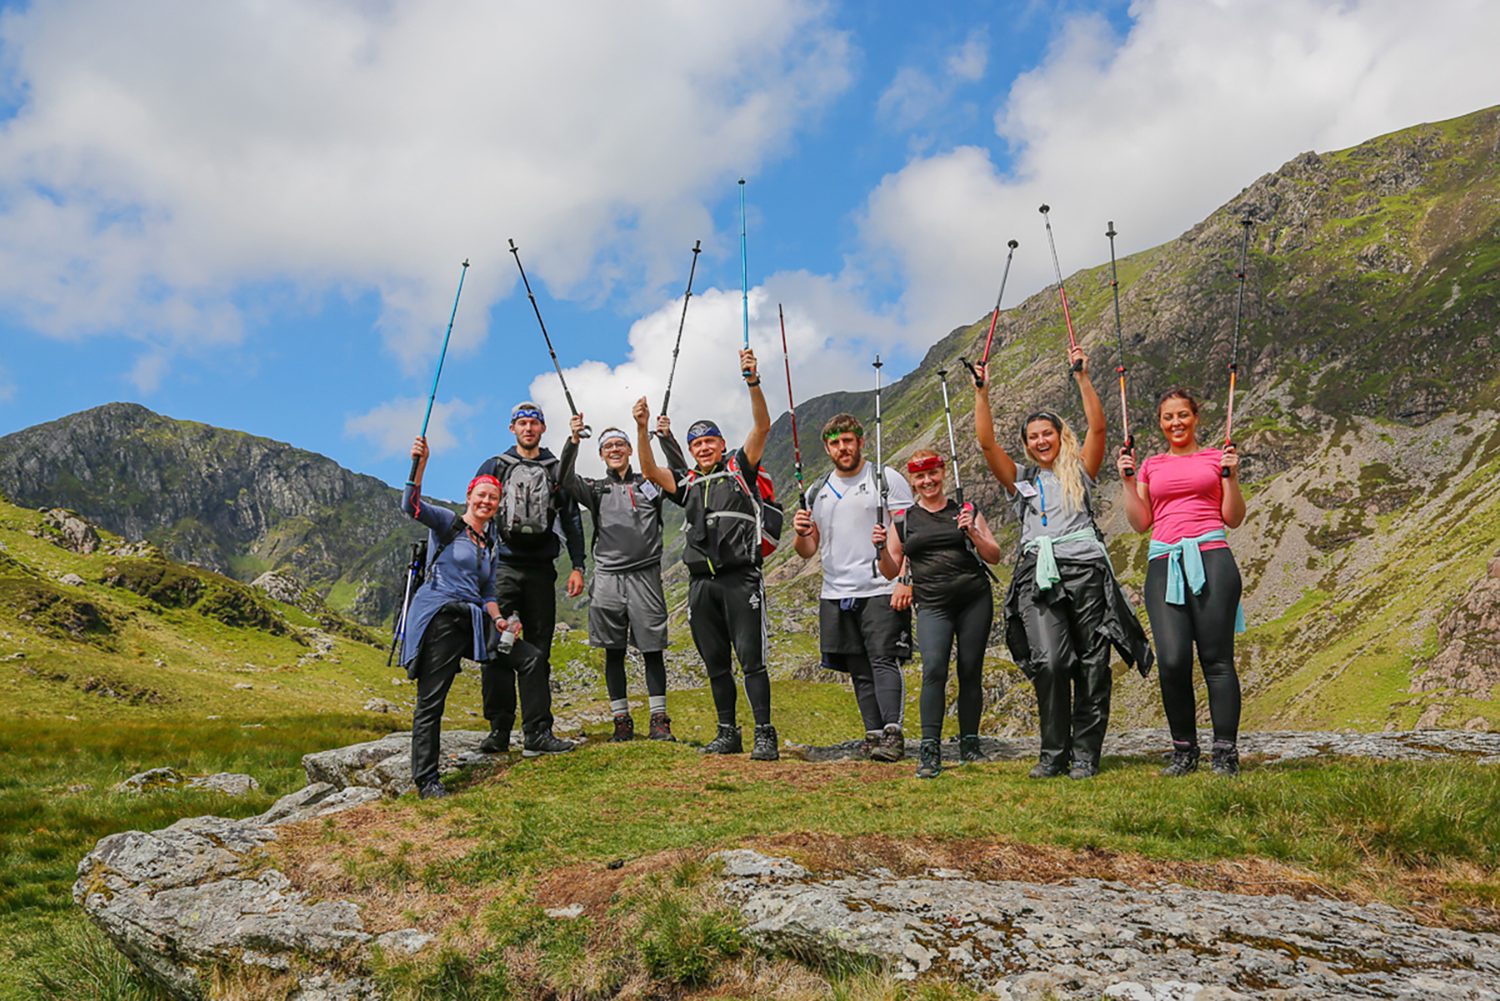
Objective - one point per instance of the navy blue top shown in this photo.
(464, 572)
(550, 548)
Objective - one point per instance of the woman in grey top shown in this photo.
(1064, 607)
(447, 616)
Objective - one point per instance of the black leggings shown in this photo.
(937, 627)
(879, 690)
(1206, 619)
(614, 672)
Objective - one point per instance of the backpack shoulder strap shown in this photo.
(446, 539)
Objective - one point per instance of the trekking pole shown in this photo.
(1114, 284)
(1234, 346)
(994, 317)
(879, 467)
(399, 633)
(1062, 292)
(744, 276)
(412, 476)
(516, 251)
(958, 481)
(667, 396)
(791, 405)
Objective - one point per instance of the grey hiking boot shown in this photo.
(892, 745)
(968, 748)
(727, 742)
(930, 754)
(868, 745)
(1048, 769)
(624, 729)
(540, 742)
(1226, 758)
(1083, 768)
(431, 789)
(1184, 759)
(766, 743)
(498, 741)
(661, 727)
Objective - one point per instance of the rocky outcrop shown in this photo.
(228, 783)
(70, 531)
(1468, 657)
(1089, 938)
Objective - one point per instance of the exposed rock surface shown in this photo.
(385, 764)
(73, 532)
(1088, 938)
(283, 586)
(229, 783)
(1468, 657)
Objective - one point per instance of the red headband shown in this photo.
(481, 478)
(922, 465)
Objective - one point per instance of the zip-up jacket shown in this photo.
(625, 511)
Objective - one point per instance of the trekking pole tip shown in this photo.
(943, 373)
(513, 247)
(697, 246)
(1045, 208)
(466, 262)
(742, 180)
(1111, 231)
(1012, 244)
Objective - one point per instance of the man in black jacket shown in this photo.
(533, 508)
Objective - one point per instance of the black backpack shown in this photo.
(528, 498)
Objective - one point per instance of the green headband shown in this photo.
(859, 432)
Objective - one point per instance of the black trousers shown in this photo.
(938, 625)
(1064, 626)
(1207, 621)
(727, 616)
(530, 592)
(448, 638)
(869, 641)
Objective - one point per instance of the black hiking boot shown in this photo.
(1083, 768)
(1184, 759)
(727, 742)
(1048, 769)
(541, 742)
(661, 727)
(766, 743)
(1226, 758)
(431, 789)
(892, 746)
(968, 748)
(624, 729)
(868, 745)
(930, 754)
(498, 741)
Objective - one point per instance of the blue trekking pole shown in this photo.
(411, 477)
(744, 276)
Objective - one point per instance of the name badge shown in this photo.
(650, 490)
(1025, 489)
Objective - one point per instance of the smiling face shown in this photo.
(707, 450)
(483, 500)
(928, 484)
(1042, 442)
(528, 431)
(847, 451)
(1178, 418)
(616, 454)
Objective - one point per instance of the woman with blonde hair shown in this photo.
(1064, 608)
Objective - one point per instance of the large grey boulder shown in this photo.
(153, 779)
(315, 800)
(71, 531)
(385, 764)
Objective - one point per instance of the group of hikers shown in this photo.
(890, 544)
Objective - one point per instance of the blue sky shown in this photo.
(255, 219)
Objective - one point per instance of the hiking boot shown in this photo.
(661, 727)
(1083, 769)
(431, 789)
(930, 756)
(968, 748)
(892, 746)
(727, 742)
(868, 745)
(498, 742)
(542, 742)
(624, 729)
(1184, 759)
(1048, 770)
(1226, 758)
(765, 747)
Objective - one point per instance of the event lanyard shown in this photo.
(1041, 494)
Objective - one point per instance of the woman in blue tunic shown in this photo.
(448, 614)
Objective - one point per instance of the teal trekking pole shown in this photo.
(412, 476)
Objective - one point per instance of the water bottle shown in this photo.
(507, 636)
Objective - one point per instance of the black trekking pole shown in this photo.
(399, 632)
(994, 317)
(1062, 292)
(958, 480)
(546, 337)
(879, 466)
(1234, 347)
(791, 405)
(412, 476)
(688, 295)
(1114, 284)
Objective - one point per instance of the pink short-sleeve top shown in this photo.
(1187, 495)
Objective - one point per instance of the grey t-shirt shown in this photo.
(1038, 491)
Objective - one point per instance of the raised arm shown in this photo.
(435, 518)
(649, 469)
(572, 485)
(1093, 410)
(1000, 463)
(760, 414)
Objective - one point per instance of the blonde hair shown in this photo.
(1068, 466)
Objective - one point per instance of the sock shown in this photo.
(658, 703)
(620, 707)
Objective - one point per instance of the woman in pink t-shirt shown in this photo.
(1187, 496)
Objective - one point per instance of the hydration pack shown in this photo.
(528, 498)
(767, 519)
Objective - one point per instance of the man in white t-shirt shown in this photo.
(860, 633)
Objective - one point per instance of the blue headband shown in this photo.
(526, 409)
(703, 429)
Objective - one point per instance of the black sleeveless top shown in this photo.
(944, 570)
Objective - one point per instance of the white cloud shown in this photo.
(392, 425)
(969, 60)
(914, 95)
(168, 156)
(1156, 129)
(146, 374)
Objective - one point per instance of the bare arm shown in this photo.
(1232, 507)
(807, 539)
(1133, 492)
(1001, 464)
(984, 540)
(892, 554)
(760, 414)
(649, 469)
(1093, 410)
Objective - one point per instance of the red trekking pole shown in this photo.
(1234, 346)
(994, 318)
(791, 406)
(1114, 284)
(1062, 292)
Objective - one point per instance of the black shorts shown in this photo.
(870, 629)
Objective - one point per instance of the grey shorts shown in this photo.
(628, 608)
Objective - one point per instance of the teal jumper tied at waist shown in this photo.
(1185, 565)
(1047, 573)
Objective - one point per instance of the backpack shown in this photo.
(769, 517)
(528, 498)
